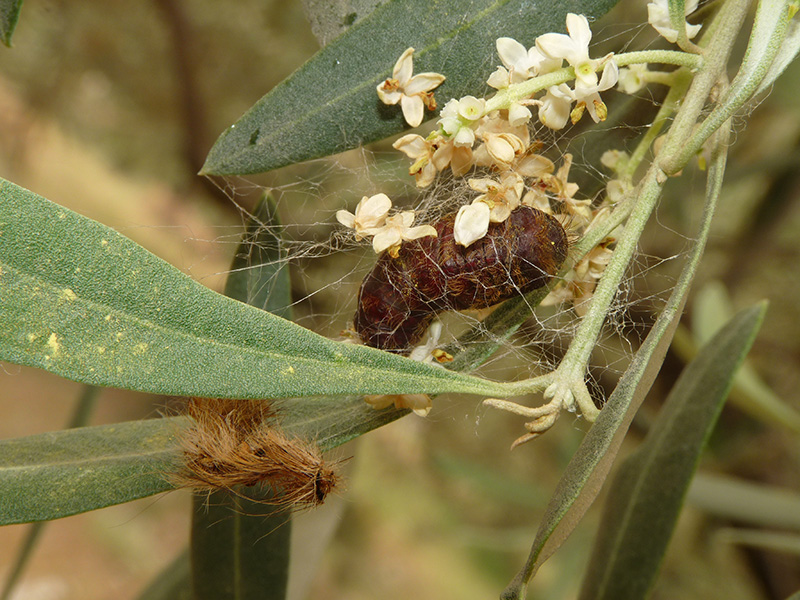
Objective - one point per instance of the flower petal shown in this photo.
(386, 238)
(413, 110)
(499, 79)
(404, 67)
(464, 137)
(423, 82)
(518, 114)
(412, 145)
(389, 97)
(372, 211)
(579, 30)
(556, 45)
(512, 53)
(346, 218)
(472, 223)
(413, 233)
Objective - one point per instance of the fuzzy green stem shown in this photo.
(727, 25)
(681, 81)
(745, 84)
(526, 89)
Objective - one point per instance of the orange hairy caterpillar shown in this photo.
(232, 442)
(401, 296)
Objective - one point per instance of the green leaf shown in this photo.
(78, 470)
(648, 490)
(331, 18)
(259, 273)
(330, 105)
(746, 502)
(80, 416)
(75, 470)
(240, 545)
(711, 308)
(81, 301)
(9, 15)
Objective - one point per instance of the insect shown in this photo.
(238, 442)
(401, 296)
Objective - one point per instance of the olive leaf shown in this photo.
(82, 301)
(9, 15)
(330, 105)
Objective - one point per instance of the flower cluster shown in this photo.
(372, 219)
(479, 133)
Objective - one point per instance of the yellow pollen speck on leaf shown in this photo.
(68, 294)
(53, 344)
(31, 337)
(288, 370)
(104, 242)
(101, 349)
(140, 348)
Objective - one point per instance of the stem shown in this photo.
(682, 79)
(520, 91)
(727, 26)
(745, 84)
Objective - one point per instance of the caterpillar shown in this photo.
(400, 297)
(239, 442)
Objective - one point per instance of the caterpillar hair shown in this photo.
(238, 442)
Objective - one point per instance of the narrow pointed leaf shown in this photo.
(73, 471)
(9, 15)
(81, 301)
(648, 490)
(240, 545)
(330, 104)
(746, 502)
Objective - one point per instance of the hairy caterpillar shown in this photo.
(237, 442)
(401, 296)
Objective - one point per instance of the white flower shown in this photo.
(501, 149)
(472, 223)
(421, 151)
(419, 403)
(590, 96)
(413, 93)
(555, 106)
(370, 213)
(658, 17)
(574, 48)
(520, 64)
(501, 196)
(460, 158)
(615, 160)
(397, 228)
(459, 118)
(633, 78)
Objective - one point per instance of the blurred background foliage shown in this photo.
(110, 109)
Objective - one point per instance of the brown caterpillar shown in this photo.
(401, 296)
(232, 443)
